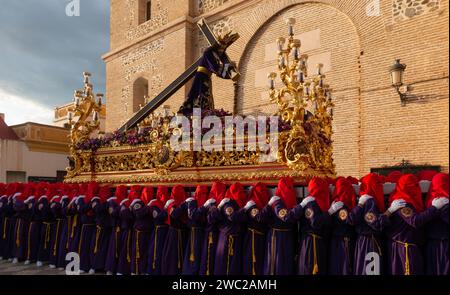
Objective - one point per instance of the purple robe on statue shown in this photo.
(100, 238)
(436, 250)
(369, 224)
(126, 232)
(87, 220)
(175, 243)
(157, 240)
(254, 242)
(314, 229)
(228, 260)
(47, 224)
(281, 240)
(406, 238)
(193, 254)
(141, 238)
(112, 256)
(342, 244)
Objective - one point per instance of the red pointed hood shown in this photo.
(286, 192)
(438, 188)
(260, 195)
(372, 186)
(201, 195)
(345, 193)
(120, 195)
(237, 193)
(92, 191)
(408, 189)
(178, 195)
(162, 196)
(135, 194)
(2, 189)
(320, 190)
(218, 191)
(352, 180)
(382, 178)
(27, 193)
(426, 174)
(394, 176)
(147, 194)
(51, 192)
(105, 193)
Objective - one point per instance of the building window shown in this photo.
(145, 11)
(140, 91)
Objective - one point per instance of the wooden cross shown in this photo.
(175, 85)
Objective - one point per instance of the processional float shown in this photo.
(141, 151)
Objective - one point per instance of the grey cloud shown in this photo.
(43, 52)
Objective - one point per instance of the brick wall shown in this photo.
(371, 128)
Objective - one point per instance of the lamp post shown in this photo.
(397, 70)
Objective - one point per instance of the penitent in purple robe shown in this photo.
(228, 260)
(175, 243)
(126, 232)
(342, 244)
(140, 239)
(281, 240)
(406, 238)
(34, 231)
(55, 236)
(47, 224)
(157, 240)
(112, 256)
(63, 245)
(102, 233)
(7, 229)
(436, 250)
(87, 231)
(193, 254)
(3, 224)
(369, 225)
(314, 229)
(20, 230)
(209, 245)
(254, 242)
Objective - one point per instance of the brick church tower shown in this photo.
(154, 41)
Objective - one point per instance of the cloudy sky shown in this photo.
(43, 53)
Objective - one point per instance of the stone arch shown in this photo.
(347, 85)
(140, 91)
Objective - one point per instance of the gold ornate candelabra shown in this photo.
(305, 103)
(83, 120)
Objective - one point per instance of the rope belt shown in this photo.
(117, 242)
(47, 233)
(18, 232)
(347, 251)
(316, 265)
(128, 247)
(55, 246)
(74, 224)
(273, 247)
(210, 242)
(180, 248)
(97, 236)
(69, 222)
(138, 256)
(81, 237)
(407, 264)
(254, 231)
(155, 243)
(4, 228)
(192, 242)
(29, 240)
(230, 250)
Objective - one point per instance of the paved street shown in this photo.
(7, 268)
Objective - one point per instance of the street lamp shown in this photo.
(397, 70)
